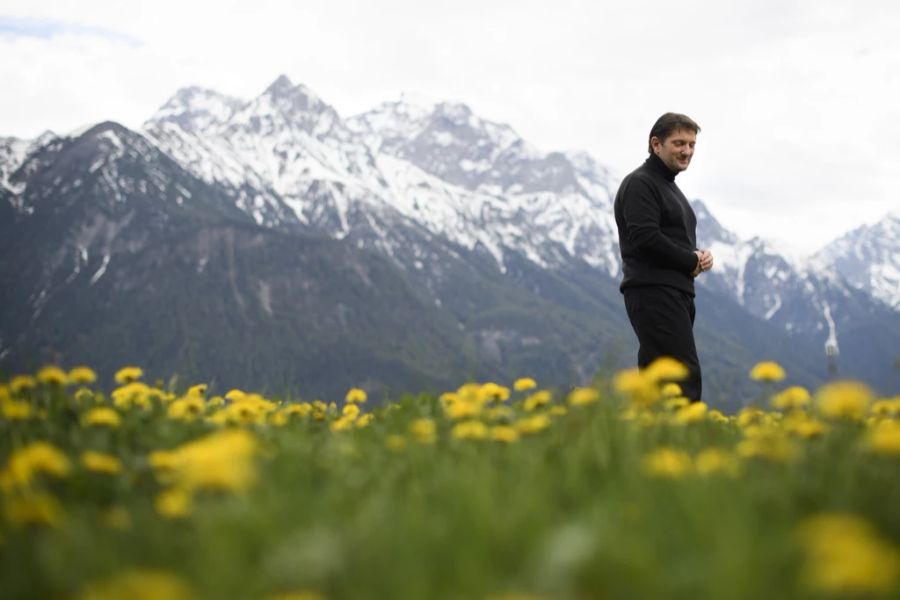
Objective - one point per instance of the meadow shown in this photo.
(495, 492)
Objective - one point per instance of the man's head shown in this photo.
(672, 139)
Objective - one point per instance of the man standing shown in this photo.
(660, 258)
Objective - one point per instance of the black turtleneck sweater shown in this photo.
(657, 229)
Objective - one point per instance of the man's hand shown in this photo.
(704, 262)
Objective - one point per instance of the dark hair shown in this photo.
(668, 124)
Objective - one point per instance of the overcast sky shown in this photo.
(797, 100)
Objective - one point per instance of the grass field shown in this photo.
(621, 490)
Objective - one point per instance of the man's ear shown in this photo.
(655, 143)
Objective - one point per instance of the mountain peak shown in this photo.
(281, 85)
(104, 128)
(196, 108)
(289, 98)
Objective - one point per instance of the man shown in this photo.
(660, 258)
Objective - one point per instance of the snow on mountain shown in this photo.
(13, 154)
(813, 297)
(197, 109)
(389, 125)
(869, 258)
(472, 181)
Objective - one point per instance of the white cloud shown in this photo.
(796, 98)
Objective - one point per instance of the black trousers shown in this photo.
(663, 319)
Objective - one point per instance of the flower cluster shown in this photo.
(147, 457)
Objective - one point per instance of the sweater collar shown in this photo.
(656, 164)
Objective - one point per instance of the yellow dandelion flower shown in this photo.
(355, 395)
(198, 390)
(84, 396)
(423, 431)
(395, 443)
(843, 399)
(174, 503)
(319, 410)
(636, 386)
(532, 424)
(21, 383)
(583, 396)
(82, 375)
(33, 509)
(278, 419)
(676, 403)
(537, 400)
(810, 428)
(132, 394)
(471, 391)
(447, 399)
(803, 425)
(750, 416)
(235, 395)
(216, 402)
(691, 413)
(364, 420)
(886, 407)
(666, 368)
(102, 416)
(714, 461)
(351, 411)
(558, 411)
(52, 375)
(791, 398)
(341, 424)
(463, 409)
(767, 370)
(252, 410)
(495, 392)
(524, 384)
(99, 462)
(141, 584)
(163, 461)
(36, 457)
(667, 462)
(187, 408)
(884, 438)
(219, 461)
(671, 390)
(128, 375)
(846, 555)
(15, 410)
(716, 416)
(504, 433)
(767, 444)
(301, 409)
(470, 430)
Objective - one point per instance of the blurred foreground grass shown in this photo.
(622, 490)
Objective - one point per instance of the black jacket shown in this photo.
(657, 229)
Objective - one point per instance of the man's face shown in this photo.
(676, 151)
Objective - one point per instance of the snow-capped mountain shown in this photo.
(471, 214)
(290, 160)
(813, 297)
(869, 258)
